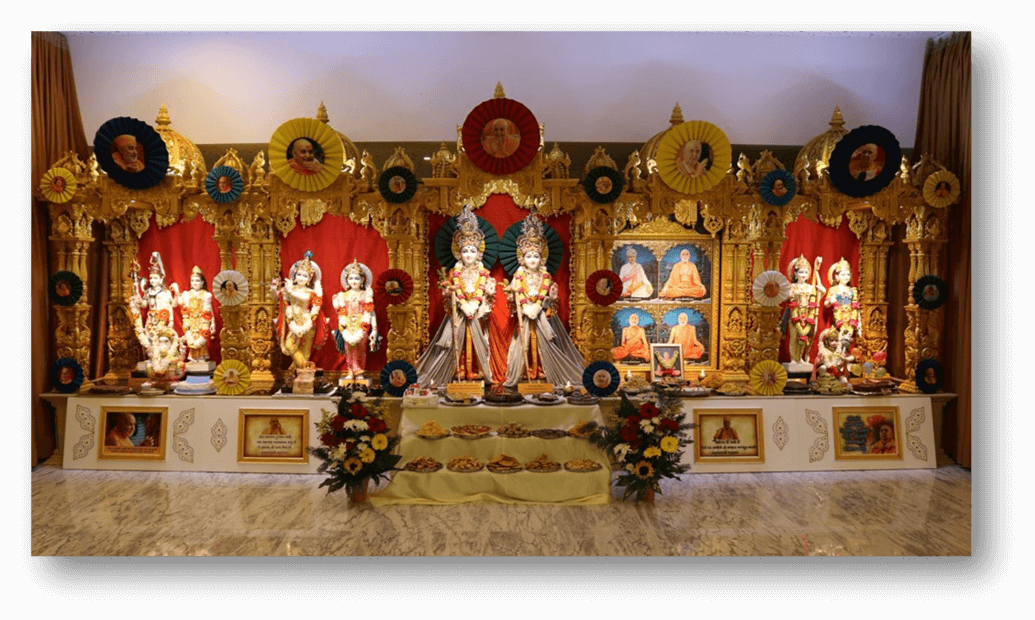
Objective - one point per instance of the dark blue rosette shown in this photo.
(603, 184)
(787, 192)
(595, 374)
(397, 184)
(930, 292)
(66, 375)
(933, 383)
(153, 161)
(65, 288)
(398, 387)
(845, 173)
(227, 191)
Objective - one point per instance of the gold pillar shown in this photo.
(405, 230)
(249, 330)
(123, 348)
(875, 244)
(736, 269)
(925, 236)
(71, 237)
(765, 234)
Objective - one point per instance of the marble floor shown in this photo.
(887, 513)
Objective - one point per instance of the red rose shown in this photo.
(377, 425)
(358, 411)
(633, 420)
(649, 411)
(668, 424)
(338, 423)
(629, 433)
(330, 439)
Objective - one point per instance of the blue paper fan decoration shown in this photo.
(224, 184)
(65, 288)
(603, 184)
(396, 376)
(778, 194)
(66, 375)
(930, 292)
(508, 248)
(865, 161)
(397, 184)
(444, 243)
(929, 382)
(601, 379)
(152, 158)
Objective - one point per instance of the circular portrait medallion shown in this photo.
(131, 152)
(865, 161)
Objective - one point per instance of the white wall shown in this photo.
(768, 88)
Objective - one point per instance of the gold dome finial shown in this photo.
(499, 91)
(836, 120)
(163, 119)
(677, 116)
(321, 114)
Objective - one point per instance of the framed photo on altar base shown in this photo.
(728, 436)
(133, 433)
(666, 362)
(273, 436)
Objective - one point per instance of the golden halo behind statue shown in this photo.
(693, 157)
(306, 154)
(941, 189)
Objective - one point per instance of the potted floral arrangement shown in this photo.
(355, 446)
(647, 444)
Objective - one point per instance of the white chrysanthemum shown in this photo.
(647, 426)
(771, 288)
(339, 453)
(621, 450)
(630, 467)
(357, 426)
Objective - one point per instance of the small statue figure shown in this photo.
(831, 357)
(469, 293)
(357, 323)
(802, 311)
(199, 322)
(165, 359)
(540, 335)
(300, 322)
(158, 301)
(844, 298)
(257, 171)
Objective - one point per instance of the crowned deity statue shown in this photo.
(199, 322)
(802, 311)
(460, 348)
(165, 359)
(301, 325)
(540, 339)
(151, 298)
(831, 356)
(357, 322)
(844, 299)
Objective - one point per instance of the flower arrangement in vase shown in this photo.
(355, 446)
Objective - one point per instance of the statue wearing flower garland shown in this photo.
(165, 359)
(802, 309)
(844, 299)
(154, 297)
(199, 322)
(469, 293)
(357, 322)
(540, 338)
(300, 322)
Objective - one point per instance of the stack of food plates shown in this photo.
(432, 430)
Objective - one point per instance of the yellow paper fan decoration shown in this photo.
(232, 377)
(941, 189)
(306, 154)
(768, 378)
(693, 157)
(58, 185)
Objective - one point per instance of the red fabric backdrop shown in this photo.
(813, 239)
(501, 212)
(182, 246)
(335, 242)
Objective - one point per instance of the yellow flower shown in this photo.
(669, 444)
(379, 442)
(353, 465)
(644, 470)
(652, 452)
(367, 456)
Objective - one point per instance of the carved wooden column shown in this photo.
(875, 244)
(736, 268)
(71, 236)
(123, 348)
(591, 243)
(925, 236)
(765, 236)
(251, 326)
(234, 336)
(405, 230)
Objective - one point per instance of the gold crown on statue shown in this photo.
(467, 232)
(156, 265)
(797, 264)
(196, 271)
(532, 237)
(836, 268)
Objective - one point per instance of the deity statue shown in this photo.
(684, 280)
(357, 323)
(469, 293)
(844, 299)
(831, 356)
(300, 322)
(802, 310)
(540, 335)
(199, 322)
(165, 359)
(153, 296)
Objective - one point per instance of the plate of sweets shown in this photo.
(549, 433)
(432, 430)
(873, 387)
(502, 396)
(546, 398)
(694, 391)
(460, 401)
(504, 464)
(732, 389)
(582, 466)
(582, 397)
(423, 465)
(513, 431)
(584, 429)
(465, 465)
(543, 465)
(470, 431)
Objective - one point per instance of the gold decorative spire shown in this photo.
(836, 120)
(815, 155)
(677, 116)
(499, 91)
(163, 119)
(184, 155)
(321, 114)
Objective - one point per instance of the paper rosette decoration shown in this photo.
(393, 287)
(929, 376)
(65, 288)
(771, 288)
(446, 253)
(58, 185)
(230, 287)
(601, 379)
(865, 161)
(396, 376)
(603, 184)
(397, 184)
(130, 135)
(941, 189)
(930, 292)
(768, 378)
(693, 157)
(306, 154)
(66, 375)
(232, 377)
(778, 194)
(509, 252)
(224, 184)
(603, 287)
(500, 136)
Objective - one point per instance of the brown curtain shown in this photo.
(57, 128)
(943, 131)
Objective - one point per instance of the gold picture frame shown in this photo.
(132, 433)
(273, 436)
(729, 436)
(867, 433)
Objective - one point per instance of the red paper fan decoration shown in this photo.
(393, 286)
(603, 287)
(501, 136)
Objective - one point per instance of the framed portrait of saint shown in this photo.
(867, 433)
(133, 433)
(273, 436)
(728, 436)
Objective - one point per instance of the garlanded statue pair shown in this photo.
(802, 314)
